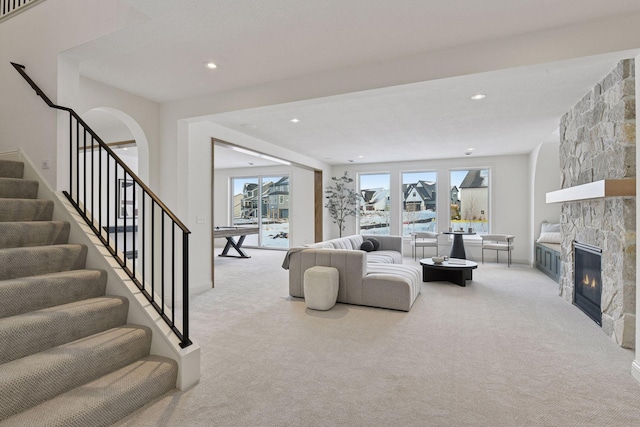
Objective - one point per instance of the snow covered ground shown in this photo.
(274, 235)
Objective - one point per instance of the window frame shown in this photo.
(402, 202)
(388, 204)
(489, 199)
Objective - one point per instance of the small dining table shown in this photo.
(457, 249)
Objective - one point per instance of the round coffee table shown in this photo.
(454, 270)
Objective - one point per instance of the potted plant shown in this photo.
(342, 200)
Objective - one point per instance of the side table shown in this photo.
(457, 249)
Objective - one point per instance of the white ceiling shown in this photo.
(160, 56)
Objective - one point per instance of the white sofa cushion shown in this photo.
(384, 257)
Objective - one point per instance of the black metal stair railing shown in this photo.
(147, 240)
(9, 7)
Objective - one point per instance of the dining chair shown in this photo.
(425, 239)
(498, 242)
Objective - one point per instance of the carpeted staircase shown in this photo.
(67, 355)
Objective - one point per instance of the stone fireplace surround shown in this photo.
(597, 142)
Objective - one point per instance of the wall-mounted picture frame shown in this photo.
(127, 204)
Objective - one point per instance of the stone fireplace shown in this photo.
(597, 143)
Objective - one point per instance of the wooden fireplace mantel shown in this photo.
(595, 190)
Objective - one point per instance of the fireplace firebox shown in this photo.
(587, 293)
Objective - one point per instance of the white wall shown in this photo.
(34, 38)
(509, 197)
(199, 198)
(140, 115)
(197, 216)
(544, 163)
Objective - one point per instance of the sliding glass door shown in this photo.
(263, 202)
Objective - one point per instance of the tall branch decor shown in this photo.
(342, 200)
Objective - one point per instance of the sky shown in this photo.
(238, 183)
(382, 180)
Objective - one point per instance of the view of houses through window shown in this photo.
(375, 203)
(262, 202)
(470, 200)
(419, 202)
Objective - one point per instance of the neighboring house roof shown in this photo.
(474, 180)
(367, 195)
(283, 181)
(426, 190)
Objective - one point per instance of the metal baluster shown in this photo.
(84, 172)
(100, 189)
(153, 251)
(162, 261)
(173, 273)
(135, 230)
(93, 188)
(109, 198)
(185, 291)
(70, 155)
(125, 216)
(143, 253)
(77, 165)
(116, 207)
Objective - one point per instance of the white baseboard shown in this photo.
(635, 369)
(199, 288)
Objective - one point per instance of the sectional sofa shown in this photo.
(376, 278)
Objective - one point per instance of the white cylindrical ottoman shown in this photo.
(320, 287)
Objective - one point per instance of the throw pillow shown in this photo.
(549, 238)
(549, 228)
(376, 243)
(366, 246)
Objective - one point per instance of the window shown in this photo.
(418, 202)
(375, 203)
(269, 212)
(470, 200)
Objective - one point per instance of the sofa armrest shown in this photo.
(389, 243)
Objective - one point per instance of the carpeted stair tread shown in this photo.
(38, 260)
(16, 188)
(11, 169)
(25, 210)
(40, 330)
(31, 380)
(33, 233)
(48, 290)
(105, 400)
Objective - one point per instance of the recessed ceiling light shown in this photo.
(294, 120)
(478, 96)
(360, 157)
(210, 65)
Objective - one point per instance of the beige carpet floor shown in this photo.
(504, 351)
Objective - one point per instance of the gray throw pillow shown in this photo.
(376, 243)
(366, 246)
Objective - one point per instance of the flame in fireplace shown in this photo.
(592, 283)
